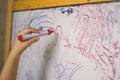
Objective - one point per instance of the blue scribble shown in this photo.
(29, 75)
(77, 67)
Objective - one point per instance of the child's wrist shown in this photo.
(15, 52)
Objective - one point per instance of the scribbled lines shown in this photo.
(93, 35)
(40, 19)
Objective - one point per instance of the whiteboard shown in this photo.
(85, 45)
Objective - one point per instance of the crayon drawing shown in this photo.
(85, 45)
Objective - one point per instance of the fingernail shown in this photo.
(38, 31)
(37, 38)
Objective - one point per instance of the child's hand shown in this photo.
(20, 46)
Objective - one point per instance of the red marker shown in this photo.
(31, 35)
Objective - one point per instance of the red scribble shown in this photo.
(91, 37)
(66, 40)
(115, 45)
(100, 56)
(59, 32)
(107, 50)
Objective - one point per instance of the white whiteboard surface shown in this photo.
(85, 45)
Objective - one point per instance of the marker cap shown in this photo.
(20, 37)
(50, 31)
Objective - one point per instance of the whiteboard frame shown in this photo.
(31, 4)
(8, 29)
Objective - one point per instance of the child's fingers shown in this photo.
(32, 40)
(29, 30)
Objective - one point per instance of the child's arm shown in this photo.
(9, 70)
